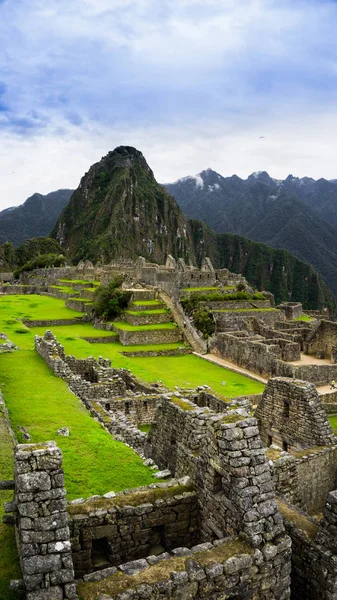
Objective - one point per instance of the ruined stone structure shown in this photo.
(42, 523)
(303, 457)
(248, 494)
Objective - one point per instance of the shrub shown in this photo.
(203, 320)
(110, 300)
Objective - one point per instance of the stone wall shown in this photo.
(232, 321)
(226, 569)
(139, 409)
(51, 322)
(153, 336)
(261, 355)
(292, 416)
(131, 525)
(305, 481)
(314, 570)
(292, 310)
(42, 523)
(224, 455)
(147, 319)
(323, 339)
(22, 289)
(78, 304)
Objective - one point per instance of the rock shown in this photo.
(63, 431)
(162, 474)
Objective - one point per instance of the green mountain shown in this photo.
(120, 210)
(34, 218)
(287, 214)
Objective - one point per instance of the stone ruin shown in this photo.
(248, 495)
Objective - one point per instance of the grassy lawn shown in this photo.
(9, 562)
(93, 462)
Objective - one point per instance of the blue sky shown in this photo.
(191, 83)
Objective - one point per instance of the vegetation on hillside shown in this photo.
(41, 262)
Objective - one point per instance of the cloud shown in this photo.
(210, 71)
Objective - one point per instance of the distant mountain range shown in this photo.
(119, 210)
(299, 215)
(35, 218)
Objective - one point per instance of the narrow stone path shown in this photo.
(221, 362)
(179, 318)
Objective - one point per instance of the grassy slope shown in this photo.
(9, 562)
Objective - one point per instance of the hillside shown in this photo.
(120, 210)
(34, 218)
(277, 213)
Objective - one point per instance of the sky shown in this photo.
(193, 84)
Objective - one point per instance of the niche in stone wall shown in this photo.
(216, 482)
(157, 541)
(100, 554)
(286, 409)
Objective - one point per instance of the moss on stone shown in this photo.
(182, 403)
(134, 499)
(307, 451)
(272, 454)
(119, 582)
(232, 418)
(298, 519)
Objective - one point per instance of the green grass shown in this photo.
(129, 327)
(183, 371)
(78, 299)
(333, 422)
(93, 461)
(145, 428)
(61, 288)
(79, 281)
(9, 562)
(304, 318)
(147, 302)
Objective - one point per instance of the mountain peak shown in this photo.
(261, 177)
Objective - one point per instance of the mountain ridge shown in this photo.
(119, 209)
(34, 218)
(266, 210)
